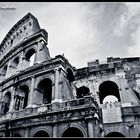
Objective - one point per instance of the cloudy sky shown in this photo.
(83, 31)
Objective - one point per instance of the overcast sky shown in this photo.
(83, 31)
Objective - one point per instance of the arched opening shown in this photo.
(139, 135)
(25, 90)
(15, 62)
(6, 103)
(4, 70)
(30, 56)
(70, 75)
(72, 132)
(45, 91)
(108, 88)
(21, 98)
(82, 91)
(41, 134)
(115, 134)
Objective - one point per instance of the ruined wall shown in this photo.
(125, 74)
(53, 98)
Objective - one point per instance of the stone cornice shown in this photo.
(35, 70)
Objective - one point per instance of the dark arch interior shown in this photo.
(41, 134)
(25, 91)
(108, 88)
(4, 70)
(115, 134)
(7, 99)
(21, 99)
(45, 87)
(82, 91)
(29, 54)
(15, 62)
(72, 132)
(70, 75)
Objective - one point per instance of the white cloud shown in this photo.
(83, 31)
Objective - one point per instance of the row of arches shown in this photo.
(15, 34)
(29, 58)
(108, 92)
(71, 132)
(44, 89)
(43, 93)
(20, 99)
(67, 133)
(75, 132)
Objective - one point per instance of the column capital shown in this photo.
(33, 76)
(56, 69)
(57, 100)
(59, 68)
(12, 96)
(41, 41)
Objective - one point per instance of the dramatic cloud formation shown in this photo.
(83, 31)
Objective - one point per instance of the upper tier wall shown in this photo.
(24, 28)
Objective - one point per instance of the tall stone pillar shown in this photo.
(8, 73)
(26, 133)
(25, 63)
(55, 131)
(31, 93)
(56, 83)
(53, 91)
(56, 87)
(90, 129)
(42, 53)
(1, 75)
(20, 62)
(11, 103)
(0, 99)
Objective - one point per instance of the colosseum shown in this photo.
(41, 96)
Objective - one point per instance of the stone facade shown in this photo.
(48, 97)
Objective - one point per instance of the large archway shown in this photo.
(70, 75)
(115, 134)
(72, 132)
(30, 56)
(45, 91)
(82, 91)
(108, 88)
(41, 134)
(21, 98)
